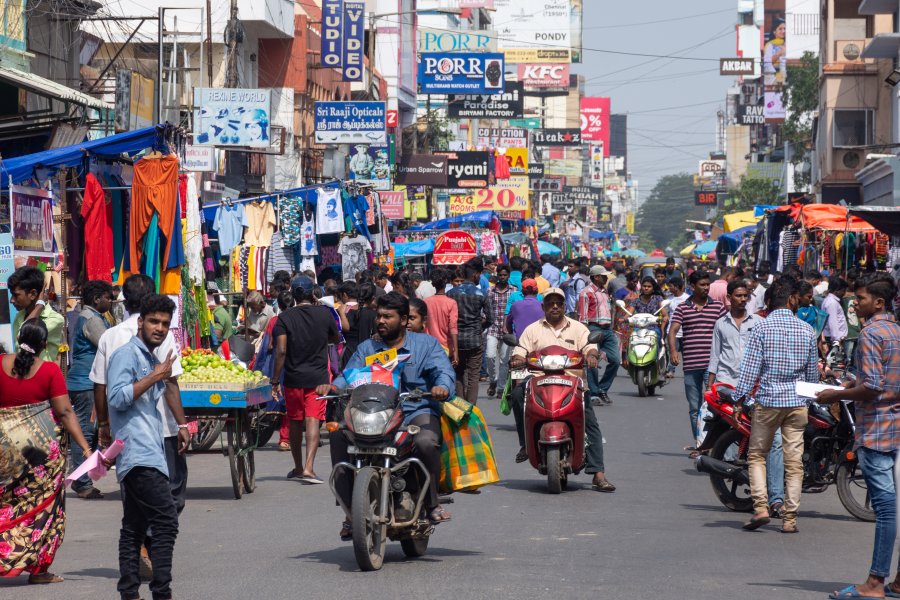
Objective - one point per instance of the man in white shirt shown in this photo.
(679, 295)
(135, 289)
(836, 326)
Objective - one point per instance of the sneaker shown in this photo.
(775, 511)
(492, 390)
(605, 399)
(596, 401)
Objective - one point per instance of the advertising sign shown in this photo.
(629, 223)
(736, 67)
(567, 167)
(7, 310)
(456, 40)
(332, 31)
(535, 170)
(705, 198)
(503, 138)
(199, 158)
(774, 59)
(135, 98)
(549, 183)
(460, 73)
(595, 121)
(507, 104)
(529, 123)
(423, 169)
(583, 196)
(597, 170)
(534, 31)
(371, 165)
(508, 195)
(545, 78)
(557, 137)
(750, 114)
(544, 204)
(454, 248)
(712, 169)
(560, 203)
(350, 123)
(31, 213)
(466, 169)
(517, 159)
(392, 204)
(354, 27)
(232, 117)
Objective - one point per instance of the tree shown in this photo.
(801, 100)
(753, 191)
(662, 217)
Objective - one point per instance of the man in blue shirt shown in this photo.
(549, 271)
(136, 381)
(426, 367)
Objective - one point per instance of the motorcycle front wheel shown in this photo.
(555, 472)
(853, 492)
(733, 495)
(369, 536)
(642, 383)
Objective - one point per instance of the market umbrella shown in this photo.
(705, 248)
(739, 220)
(687, 250)
(548, 248)
(634, 253)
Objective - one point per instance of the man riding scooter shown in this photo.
(426, 368)
(556, 329)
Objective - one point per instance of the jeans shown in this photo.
(609, 346)
(517, 404)
(766, 421)
(694, 384)
(672, 367)
(426, 447)
(497, 360)
(467, 373)
(178, 473)
(878, 471)
(775, 471)
(849, 351)
(146, 502)
(83, 405)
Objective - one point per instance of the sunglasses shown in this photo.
(554, 302)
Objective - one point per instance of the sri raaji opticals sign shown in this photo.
(350, 123)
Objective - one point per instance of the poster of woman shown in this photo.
(774, 59)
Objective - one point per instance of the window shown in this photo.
(853, 128)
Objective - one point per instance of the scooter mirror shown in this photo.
(595, 337)
(510, 340)
(621, 304)
(665, 303)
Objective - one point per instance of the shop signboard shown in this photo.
(548, 183)
(232, 117)
(561, 204)
(507, 104)
(509, 195)
(595, 121)
(460, 72)
(517, 159)
(456, 40)
(391, 204)
(350, 123)
(423, 169)
(535, 170)
(567, 167)
(544, 204)
(509, 137)
(466, 169)
(199, 158)
(598, 173)
(583, 196)
(461, 204)
(529, 123)
(343, 30)
(7, 310)
(706, 198)
(545, 78)
(557, 137)
(370, 164)
(332, 32)
(751, 114)
(534, 31)
(737, 67)
(32, 220)
(454, 248)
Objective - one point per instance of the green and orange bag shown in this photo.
(467, 455)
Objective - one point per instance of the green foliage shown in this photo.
(661, 218)
(801, 99)
(753, 191)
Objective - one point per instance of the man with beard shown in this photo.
(425, 367)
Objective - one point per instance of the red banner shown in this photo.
(595, 121)
(454, 248)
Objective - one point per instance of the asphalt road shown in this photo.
(661, 535)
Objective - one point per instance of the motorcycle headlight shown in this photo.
(369, 423)
(554, 362)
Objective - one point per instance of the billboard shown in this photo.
(456, 40)
(508, 104)
(706, 198)
(774, 60)
(595, 121)
(460, 73)
(371, 165)
(583, 196)
(517, 159)
(422, 169)
(737, 67)
(350, 123)
(567, 167)
(576, 21)
(545, 78)
(557, 137)
(135, 97)
(232, 117)
(467, 169)
(751, 114)
(534, 31)
(31, 215)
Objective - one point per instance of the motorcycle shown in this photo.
(389, 484)
(828, 456)
(646, 353)
(554, 412)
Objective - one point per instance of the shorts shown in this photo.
(301, 403)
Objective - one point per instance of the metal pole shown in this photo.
(371, 69)
(209, 46)
(159, 71)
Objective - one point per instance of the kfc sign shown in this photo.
(542, 78)
(595, 121)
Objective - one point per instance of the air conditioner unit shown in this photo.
(849, 51)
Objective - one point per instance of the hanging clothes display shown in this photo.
(290, 216)
(281, 257)
(153, 193)
(261, 222)
(308, 245)
(98, 256)
(193, 247)
(355, 207)
(230, 221)
(329, 212)
(354, 253)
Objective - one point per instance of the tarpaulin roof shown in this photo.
(602, 235)
(831, 217)
(481, 216)
(705, 248)
(548, 248)
(760, 209)
(686, 251)
(634, 252)
(22, 168)
(417, 248)
(885, 218)
(739, 220)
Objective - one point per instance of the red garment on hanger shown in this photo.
(98, 242)
(501, 166)
(153, 190)
(182, 193)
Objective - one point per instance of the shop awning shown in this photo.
(49, 89)
(417, 248)
(884, 218)
(687, 250)
(705, 248)
(22, 168)
(831, 217)
(547, 248)
(739, 220)
(602, 235)
(481, 216)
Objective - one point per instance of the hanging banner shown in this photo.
(597, 171)
(466, 169)
(7, 310)
(557, 137)
(423, 169)
(454, 248)
(534, 31)
(629, 223)
(354, 27)
(232, 117)
(774, 60)
(460, 73)
(31, 214)
(595, 121)
(332, 31)
(507, 104)
(371, 165)
(392, 204)
(350, 123)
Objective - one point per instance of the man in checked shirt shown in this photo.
(780, 352)
(876, 393)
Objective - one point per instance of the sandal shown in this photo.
(604, 486)
(284, 447)
(346, 531)
(756, 522)
(850, 592)
(44, 578)
(91, 493)
(439, 515)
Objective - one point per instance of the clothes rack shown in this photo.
(276, 195)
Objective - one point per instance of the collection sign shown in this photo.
(736, 66)
(557, 137)
(466, 169)
(343, 29)
(456, 40)
(508, 104)
(350, 123)
(460, 73)
(232, 117)
(423, 169)
(509, 137)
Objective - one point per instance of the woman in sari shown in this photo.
(33, 449)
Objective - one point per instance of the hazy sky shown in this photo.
(671, 103)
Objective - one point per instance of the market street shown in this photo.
(663, 534)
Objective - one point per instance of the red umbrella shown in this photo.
(657, 252)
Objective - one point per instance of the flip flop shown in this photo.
(306, 480)
(439, 515)
(292, 474)
(851, 592)
(889, 593)
(753, 524)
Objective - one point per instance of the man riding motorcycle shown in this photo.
(558, 329)
(426, 368)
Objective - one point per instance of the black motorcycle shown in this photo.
(389, 484)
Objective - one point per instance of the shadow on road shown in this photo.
(210, 493)
(94, 572)
(705, 507)
(343, 558)
(539, 485)
(806, 585)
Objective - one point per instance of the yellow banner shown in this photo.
(629, 223)
(518, 161)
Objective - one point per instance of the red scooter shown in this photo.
(554, 413)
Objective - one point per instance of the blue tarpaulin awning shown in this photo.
(602, 235)
(417, 248)
(481, 216)
(547, 248)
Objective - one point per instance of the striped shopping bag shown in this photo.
(467, 456)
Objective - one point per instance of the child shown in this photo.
(418, 315)
(25, 288)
